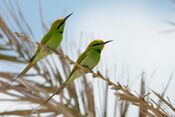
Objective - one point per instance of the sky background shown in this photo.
(143, 40)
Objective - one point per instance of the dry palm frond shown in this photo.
(73, 101)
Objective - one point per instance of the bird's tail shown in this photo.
(22, 73)
(56, 92)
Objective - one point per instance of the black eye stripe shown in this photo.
(97, 44)
(60, 25)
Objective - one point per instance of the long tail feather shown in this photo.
(21, 74)
(58, 91)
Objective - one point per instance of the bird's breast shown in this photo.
(55, 41)
(93, 59)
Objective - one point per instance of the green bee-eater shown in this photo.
(88, 59)
(52, 40)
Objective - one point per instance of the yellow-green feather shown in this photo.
(53, 42)
(51, 39)
(90, 58)
(22, 73)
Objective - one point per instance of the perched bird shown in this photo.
(52, 40)
(88, 59)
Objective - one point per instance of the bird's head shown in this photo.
(98, 44)
(59, 24)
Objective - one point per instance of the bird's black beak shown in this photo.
(64, 20)
(67, 17)
(107, 42)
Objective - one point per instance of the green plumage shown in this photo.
(52, 40)
(88, 59)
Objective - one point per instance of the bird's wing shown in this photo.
(44, 40)
(79, 60)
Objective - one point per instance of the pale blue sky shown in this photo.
(136, 26)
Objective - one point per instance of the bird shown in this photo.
(88, 59)
(51, 40)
